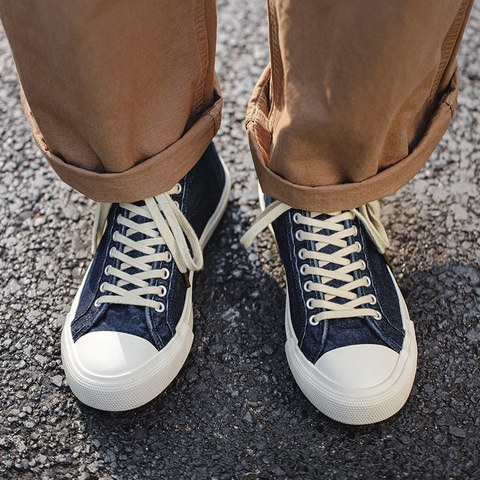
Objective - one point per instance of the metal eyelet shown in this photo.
(373, 301)
(167, 273)
(312, 321)
(356, 231)
(161, 308)
(169, 257)
(114, 236)
(296, 217)
(176, 204)
(107, 270)
(359, 246)
(179, 188)
(369, 282)
(306, 286)
(302, 269)
(297, 235)
(96, 303)
(163, 291)
(102, 287)
(301, 253)
(112, 250)
(378, 317)
(309, 304)
(364, 265)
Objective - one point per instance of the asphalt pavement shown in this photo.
(234, 411)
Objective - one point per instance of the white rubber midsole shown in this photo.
(137, 387)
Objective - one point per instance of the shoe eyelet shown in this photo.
(179, 188)
(312, 321)
(96, 303)
(378, 317)
(296, 217)
(102, 287)
(114, 236)
(298, 234)
(107, 270)
(309, 304)
(306, 286)
(301, 253)
(161, 308)
(163, 291)
(359, 246)
(112, 251)
(373, 301)
(364, 265)
(176, 204)
(167, 273)
(169, 257)
(356, 231)
(369, 282)
(303, 269)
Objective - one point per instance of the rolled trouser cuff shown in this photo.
(152, 176)
(331, 198)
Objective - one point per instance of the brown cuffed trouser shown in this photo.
(123, 98)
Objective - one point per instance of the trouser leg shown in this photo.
(356, 98)
(121, 96)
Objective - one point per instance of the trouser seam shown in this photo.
(448, 47)
(202, 41)
(275, 65)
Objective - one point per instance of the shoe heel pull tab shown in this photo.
(99, 223)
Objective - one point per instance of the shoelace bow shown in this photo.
(352, 306)
(166, 226)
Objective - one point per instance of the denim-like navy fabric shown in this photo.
(316, 340)
(198, 199)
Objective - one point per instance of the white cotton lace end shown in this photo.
(272, 212)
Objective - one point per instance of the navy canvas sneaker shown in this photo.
(350, 342)
(130, 327)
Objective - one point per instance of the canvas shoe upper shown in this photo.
(130, 328)
(350, 343)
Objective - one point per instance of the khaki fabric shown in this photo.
(122, 95)
(357, 97)
(123, 100)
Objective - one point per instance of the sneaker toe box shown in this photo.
(110, 354)
(358, 366)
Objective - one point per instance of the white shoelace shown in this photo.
(352, 306)
(167, 226)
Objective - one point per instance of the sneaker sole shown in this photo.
(138, 387)
(353, 406)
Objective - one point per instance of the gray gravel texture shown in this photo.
(235, 412)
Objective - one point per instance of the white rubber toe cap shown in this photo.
(358, 366)
(110, 354)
